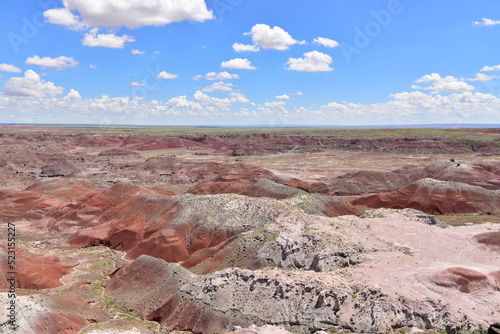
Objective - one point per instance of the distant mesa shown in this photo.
(372, 181)
(263, 188)
(119, 152)
(181, 171)
(64, 188)
(485, 175)
(158, 143)
(59, 169)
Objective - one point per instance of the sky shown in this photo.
(250, 62)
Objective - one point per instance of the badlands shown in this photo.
(208, 230)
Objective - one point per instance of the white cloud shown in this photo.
(93, 38)
(166, 75)
(217, 76)
(237, 97)
(72, 95)
(58, 63)
(93, 66)
(283, 97)
(65, 17)
(490, 68)
(157, 52)
(238, 63)
(9, 68)
(271, 38)
(137, 52)
(403, 108)
(216, 104)
(329, 43)
(245, 47)
(129, 13)
(138, 83)
(218, 86)
(275, 104)
(487, 22)
(314, 61)
(439, 84)
(299, 93)
(31, 86)
(483, 77)
(212, 102)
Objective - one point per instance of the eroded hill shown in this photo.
(204, 232)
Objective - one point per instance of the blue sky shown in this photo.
(247, 62)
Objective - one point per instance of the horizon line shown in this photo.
(289, 126)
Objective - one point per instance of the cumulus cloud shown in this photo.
(329, 43)
(59, 63)
(490, 68)
(275, 104)
(137, 52)
(129, 13)
(404, 108)
(483, 77)
(72, 95)
(63, 16)
(237, 97)
(9, 68)
(217, 76)
(31, 85)
(438, 84)
(487, 22)
(138, 83)
(218, 104)
(218, 86)
(271, 38)
(238, 63)
(166, 75)
(245, 47)
(93, 66)
(283, 97)
(93, 38)
(313, 61)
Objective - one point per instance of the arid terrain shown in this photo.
(207, 230)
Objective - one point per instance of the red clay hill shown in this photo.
(437, 197)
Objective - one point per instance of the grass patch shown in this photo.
(461, 220)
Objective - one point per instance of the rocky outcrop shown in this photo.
(236, 297)
(40, 314)
(119, 152)
(413, 213)
(59, 168)
(494, 328)
(267, 329)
